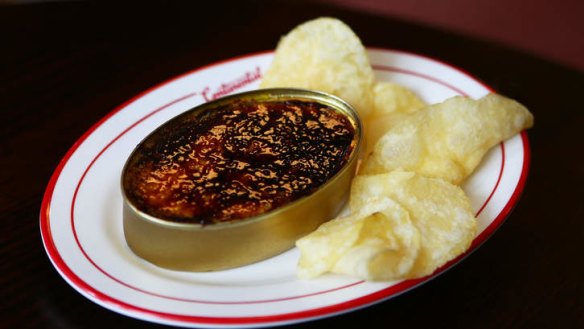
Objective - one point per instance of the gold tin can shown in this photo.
(218, 246)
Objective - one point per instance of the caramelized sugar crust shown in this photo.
(238, 160)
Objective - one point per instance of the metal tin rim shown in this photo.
(270, 94)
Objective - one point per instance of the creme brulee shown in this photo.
(238, 160)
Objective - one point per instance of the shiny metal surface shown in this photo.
(196, 247)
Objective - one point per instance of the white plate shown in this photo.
(81, 215)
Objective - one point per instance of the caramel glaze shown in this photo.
(238, 160)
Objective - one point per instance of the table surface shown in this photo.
(66, 65)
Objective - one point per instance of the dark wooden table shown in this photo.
(66, 65)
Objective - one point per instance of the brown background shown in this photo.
(66, 65)
(551, 29)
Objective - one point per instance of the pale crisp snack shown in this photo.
(392, 102)
(324, 54)
(321, 249)
(392, 98)
(408, 217)
(403, 225)
(440, 211)
(379, 242)
(449, 139)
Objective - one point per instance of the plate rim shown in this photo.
(381, 295)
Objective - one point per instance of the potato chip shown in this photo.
(324, 54)
(392, 98)
(377, 243)
(321, 249)
(440, 211)
(407, 216)
(449, 139)
(392, 102)
(387, 247)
